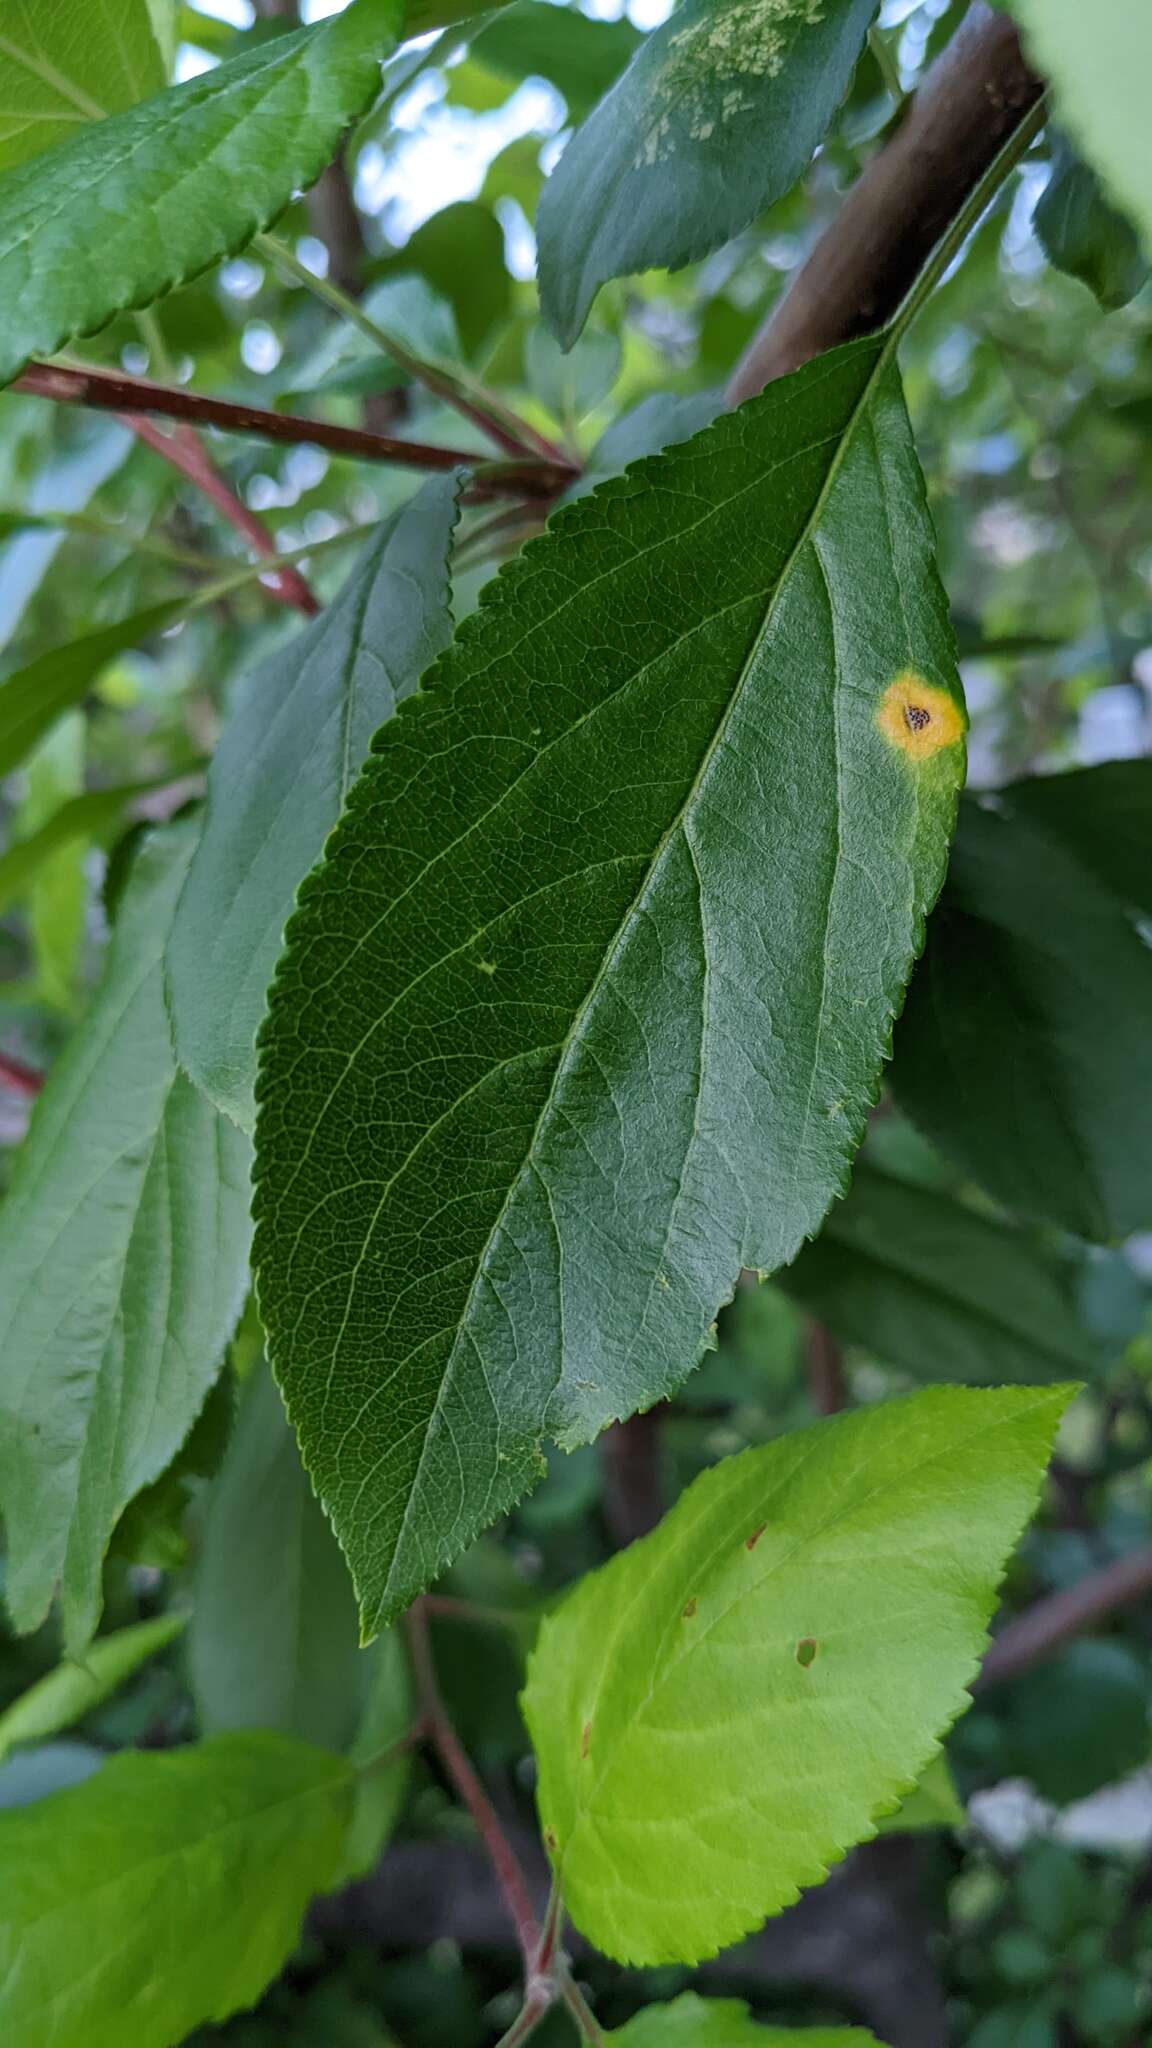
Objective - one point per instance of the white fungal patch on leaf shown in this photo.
(713, 65)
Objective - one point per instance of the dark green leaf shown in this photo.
(274, 1642)
(716, 116)
(298, 733)
(460, 253)
(1080, 1721)
(935, 1288)
(33, 698)
(740, 1695)
(1083, 234)
(580, 57)
(164, 1892)
(123, 1260)
(66, 62)
(1103, 816)
(1025, 1049)
(138, 203)
(585, 1007)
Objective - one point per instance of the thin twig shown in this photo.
(632, 1468)
(1045, 1628)
(184, 451)
(585, 2019)
(21, 1079)
(448, 1747)
(825, 1362)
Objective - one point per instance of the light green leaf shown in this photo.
(716, 116)
(165, 1892)
(274, 1642)
(123, 1245)
(80, 1683)
(64, 63)
(586, 1005)
(1099, 61)
(384, 1764)
(295, 742)
(740, 1695)
(939, 1290)
(54, 773)
(932, 1803)
(1082, 234)
(692, 2022)
(83, 820)
(139, 203)
(33, 698)
(1025, 1050)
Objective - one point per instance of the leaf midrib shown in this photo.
(677, 824)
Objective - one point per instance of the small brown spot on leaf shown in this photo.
(585, 1739)
(689, 1609)
(806, 1650)
(751, 1541)
(550, 1842)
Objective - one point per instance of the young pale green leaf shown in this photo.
(740, 1695)
(1025, 1050)
(932, 1803)
(939, 1290)
(1081, 233)
(123, 1262)
(715, 117)
(1099, 61)
(136, 204)
(79, 1684)
(165, 1892)
(274, 1642)
(295, 741)
(69, 62)
(692, 2022)
(585, 1007)
(33, 698)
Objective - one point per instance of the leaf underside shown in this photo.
(585, 1007)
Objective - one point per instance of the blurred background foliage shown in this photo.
(1032, 403)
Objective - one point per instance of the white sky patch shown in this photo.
(446, 156)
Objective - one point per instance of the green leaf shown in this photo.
(68, 62)
(460, 253)
(274, 1642)
(580, 57)
(79, 1684)
(931, 1286)
(1099, 61)
(692, 2022)
(292, 748)
(716, 116)
(741, 1694)
(1103, 816)
(165, 1892)
(33, 698)
(1082, 234)
(83, 820)
(575, 384)
(57, 900)
(139, 203)
(1025, 1049)
(389, 1712)
(586, 1005)
(123, 1247)
(932, 1803)
(63, 482)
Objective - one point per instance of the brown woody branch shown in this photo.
(970, 102)
(1045, 1628)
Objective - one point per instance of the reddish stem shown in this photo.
(1044, 1629)
(450, 1750)
(183, 449)
(20, 1079)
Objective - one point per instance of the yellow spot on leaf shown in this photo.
(919, 717)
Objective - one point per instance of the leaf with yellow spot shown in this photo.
(742, 1714)
(585, 1007)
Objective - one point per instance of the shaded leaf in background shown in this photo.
(66, 62)
(1103, 817)
(64, 482)
(1081, 233)
(1099, 61)
(289, 754)
(741, 1694)
(692, 2022)
(933, 1287)
(165, 1892)
(460, 253)
(407, 308)
(123, 1264)
(83, 821)
(579, 56)
(69, 1692)
(716, 116)
(274, 1642)
(1079, 1721)
(57, 898)
(584, 1009)
(574, 384)
(388, 1716)
(932, 1803)
(140, 202)
(1025, 1048)
(33, 698)
(659, 421)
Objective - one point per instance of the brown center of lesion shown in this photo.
(917, 716)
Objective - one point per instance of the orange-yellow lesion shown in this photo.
(918, 716)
